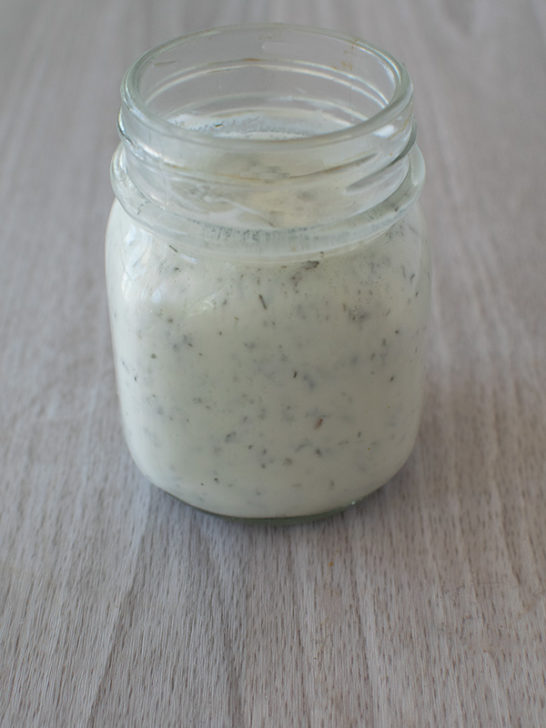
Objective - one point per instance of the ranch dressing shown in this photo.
(269, 389)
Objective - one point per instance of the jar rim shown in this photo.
(138, 106)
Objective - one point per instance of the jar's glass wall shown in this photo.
(268, 290)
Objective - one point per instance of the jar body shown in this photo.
(279, 387)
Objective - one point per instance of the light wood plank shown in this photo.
(423, 606)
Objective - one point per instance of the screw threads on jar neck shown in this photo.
(273, 132)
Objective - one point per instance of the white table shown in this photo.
(425, 605)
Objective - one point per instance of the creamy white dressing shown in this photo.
(269, 389)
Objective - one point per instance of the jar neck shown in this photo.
(277, 135)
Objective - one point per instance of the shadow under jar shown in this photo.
(267, 270)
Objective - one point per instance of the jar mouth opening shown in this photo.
(154, 78)
(268, 130)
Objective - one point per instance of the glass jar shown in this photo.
(267, 270)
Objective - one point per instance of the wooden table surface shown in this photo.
(424, 605)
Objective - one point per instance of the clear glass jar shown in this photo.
(267, 270)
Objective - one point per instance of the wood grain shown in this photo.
(425, 605)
